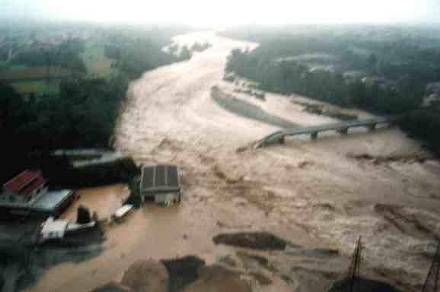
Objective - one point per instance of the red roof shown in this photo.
(24, 183)
(39, 181)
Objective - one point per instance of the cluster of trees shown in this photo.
(84, 112)
(66, 55)
(326, 85)
(140, 51)
(381, 70)
(4, 53)
(135, 57)
(198, 47)
(82, 115)
(425, 125)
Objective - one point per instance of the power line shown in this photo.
(431, 282)
(353, 271)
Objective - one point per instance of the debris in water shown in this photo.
(261, 279)
(362, 285)
(111, 287)
(182, 271)
(304, 164)
(216, 278)
(254, 240)
(146, 275)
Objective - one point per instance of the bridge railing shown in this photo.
(342, 127)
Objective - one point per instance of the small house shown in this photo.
(160, 183)
(53, 229)
(24, 188)
(27, 195)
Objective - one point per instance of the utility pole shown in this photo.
(431, 282)
(353, 272)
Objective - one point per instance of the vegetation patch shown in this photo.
(387, 159)
(253, 240)
(34, 73)
(424, 124)
(317, 252)
(198, 47)
(320, 109)
(362, 285)
(96, 61)
(256, 93)
(37, 87)
(146, 275)
(247, 109)
(261, 279)
(182, 271)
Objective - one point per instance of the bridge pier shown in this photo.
(343, 128)
(371, 127)
(343, 131)
(282, 139)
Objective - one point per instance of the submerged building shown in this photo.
(160, 183)
(24, 188)
(27, 194)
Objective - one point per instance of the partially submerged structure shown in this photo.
(53, 229)
(161, 183)
(27, 195)
(121, 212)
(24, 188)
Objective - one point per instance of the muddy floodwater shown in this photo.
(102, 200)
(318, 195)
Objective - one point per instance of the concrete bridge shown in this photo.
(341, 127)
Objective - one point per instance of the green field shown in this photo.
(4, 65)
(33, 73)
(96, 61)
(39, 86)
(17, 67)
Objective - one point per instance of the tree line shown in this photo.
(82, 115)
(383, 74)
(84, 112)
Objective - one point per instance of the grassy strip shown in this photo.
(37, 86)
(247, 110)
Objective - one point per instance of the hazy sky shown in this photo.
(227, 12)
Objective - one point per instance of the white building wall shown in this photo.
(14, 198)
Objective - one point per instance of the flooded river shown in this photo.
(318, 194)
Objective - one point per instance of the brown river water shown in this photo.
(319, 194)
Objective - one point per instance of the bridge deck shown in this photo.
(314, 130)
(336, 126)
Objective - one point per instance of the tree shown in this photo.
(185, 53)
(83, 215)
